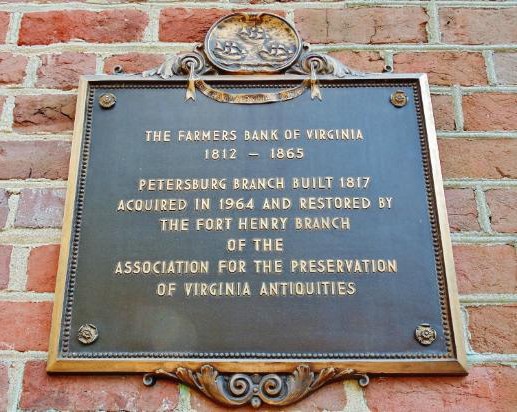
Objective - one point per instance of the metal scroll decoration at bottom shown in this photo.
(239, 389)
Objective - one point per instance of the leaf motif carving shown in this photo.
(239, 388)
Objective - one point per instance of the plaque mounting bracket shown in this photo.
(251, 43)
(240, 389)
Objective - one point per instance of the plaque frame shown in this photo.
(455, 364)
(246, 51)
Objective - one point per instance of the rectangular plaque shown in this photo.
(256, 237)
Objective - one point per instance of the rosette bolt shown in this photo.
(398, 98)
(107, 100)
(425, 334)
(87, 334)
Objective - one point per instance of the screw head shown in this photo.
(398, 98)
(87, 334)
(107, 100)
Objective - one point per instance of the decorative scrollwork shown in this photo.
(322, 64)
(181, 65)
(251, 43)
(239, 389)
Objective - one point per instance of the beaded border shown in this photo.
(76, 229)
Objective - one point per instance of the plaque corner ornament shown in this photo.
(425, 334)
(87, 333)
(398, 99)
(107, 100)
(238, 389)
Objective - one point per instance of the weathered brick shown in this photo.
(503, 208)
(36, 160)
(361, 60)
(28, 327)
(478, 26)
(187, 25)
(42, 268)
(109, 26)
(12, 68)
(42, 391)
(5, 260)
(486, 269)
(491, 328)
(506, 67)
(484, 389)
(4, 385)
(490, 111)
(40, 208)
(44, 113)
(444, 68)
(62, 71)
(443, 111)
(133, 62)
(461, 209)
(4, 25)
(4, 207)
(329, 398)
(372, 25)
(478, 158)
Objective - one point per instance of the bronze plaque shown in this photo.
(256, 237)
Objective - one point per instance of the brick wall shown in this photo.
(467, 47)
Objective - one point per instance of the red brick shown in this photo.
(443, 112)
(133, 62)
(4, 207)
(4, 25)
(361, 60)
(484, 389)
(44, 113)
(40, 208)
(4, 385)
(444, 68)
(187, 25)
(109, 26)
(503, 208)
(478, 158)
(329, 398)
(12, 68)
(28, 325)
(42, 391)
(490, 111)
(5, 260)
(36, 160)
(42, 268)
(505, 67)
(486, 269)
(62, 71)
(491, 329)
(462, 210)
(478, 26)
(372, 25)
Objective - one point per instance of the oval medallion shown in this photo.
(252, 43)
